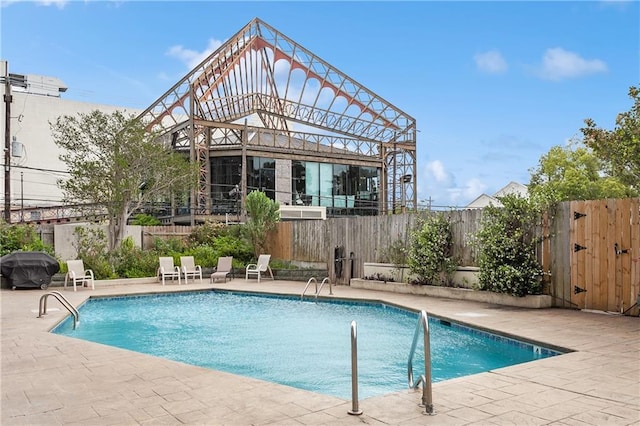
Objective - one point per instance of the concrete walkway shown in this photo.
(49, 379)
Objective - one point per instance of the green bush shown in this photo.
(395, 253)
(145, 220)
(130, 261)
(203, 255)
(430, 253)
(506, 248)
(21, 237)
(91, 245)
(206, 233)
(239, 248)
(169, 246)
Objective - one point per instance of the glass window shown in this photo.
(226, 174)
(343, 189)
(312, 182)
(326, 184)
(261, 175)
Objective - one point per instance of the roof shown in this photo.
(485, 200)
(240, 79)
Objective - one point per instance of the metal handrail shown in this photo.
(322, 285)
(42, 310)
(312, 279)
(355, 409)
(425, 380)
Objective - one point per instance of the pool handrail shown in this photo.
(42, 309)
(318, 290)
(324, 281)
(355, 408)
(312, 279)
(427, 395)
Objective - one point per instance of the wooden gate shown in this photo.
(605, 254)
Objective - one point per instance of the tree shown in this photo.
(263, 215)
(116, 164)
(573, 173)
(619, 148)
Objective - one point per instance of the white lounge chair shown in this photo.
(168, 270)
(260, 267)
(223, 269)
(77, 274)
(189, 268)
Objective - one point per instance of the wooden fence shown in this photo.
(594, 255)
(150, 233)
(590, 250)
(363, 239)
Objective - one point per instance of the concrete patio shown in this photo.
(50, 379)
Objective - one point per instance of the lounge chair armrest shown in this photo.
(89, 272)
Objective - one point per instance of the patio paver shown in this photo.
(49, 379)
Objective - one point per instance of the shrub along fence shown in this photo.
(589, 250)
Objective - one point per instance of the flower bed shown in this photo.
(532, 302)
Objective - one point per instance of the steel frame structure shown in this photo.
(262, 90)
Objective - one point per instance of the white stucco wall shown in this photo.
(30, 118)
(64, 238)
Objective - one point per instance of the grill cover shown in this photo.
(28, 268)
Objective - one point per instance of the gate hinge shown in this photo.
(578, 215)
(578, 247)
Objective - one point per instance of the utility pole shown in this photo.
(7, 143)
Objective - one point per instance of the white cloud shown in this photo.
(491, 62)
(558, 64)
(473, 188)
(193, 58)
(439, 187)
(436, 170)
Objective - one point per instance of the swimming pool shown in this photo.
(304, 344)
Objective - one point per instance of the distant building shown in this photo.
(307, 135)
(264, 113)
(511, 188)
(35, 167)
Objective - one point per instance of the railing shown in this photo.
(311, 280)
(425, 379)
(42, 310)
(355, 409)
(317, 290)
(322, 285)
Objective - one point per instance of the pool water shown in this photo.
(304, 344)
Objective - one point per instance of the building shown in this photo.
(34, 167)
(484, 200)
(264, 113)
(260, 113)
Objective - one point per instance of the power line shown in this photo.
(39, 169)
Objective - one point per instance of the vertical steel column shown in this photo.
(193, 158)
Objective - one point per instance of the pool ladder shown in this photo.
(42, 310)
(318, 290)
(425, 379)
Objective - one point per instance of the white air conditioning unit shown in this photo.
(303, 212)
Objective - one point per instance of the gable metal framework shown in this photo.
(262, 90)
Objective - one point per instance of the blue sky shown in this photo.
(492, 85)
